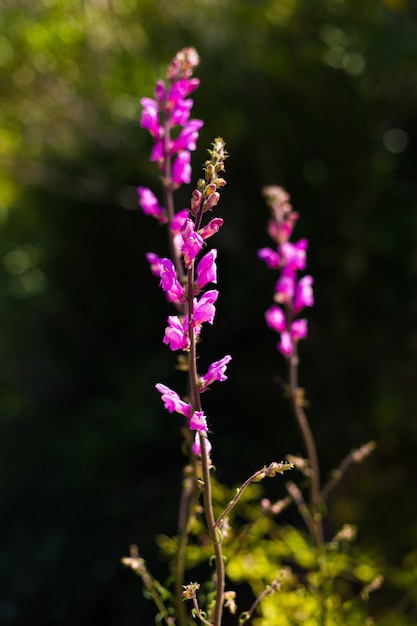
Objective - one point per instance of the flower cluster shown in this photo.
(169, 112)
(291, 294)
(184, 278)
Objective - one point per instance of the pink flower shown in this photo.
(181, 168)
(160, 92)
(293, 255)
(299, 329)
(285, 345)
(271, 258)
(198, 422)
(303, 294)
(187, 138)
(176, 334)
(154, 261)
(149, 204)
(193, 242)
(169, 281)
(216, 371)
(172, 401)
(207, 269)
(149, 117)
(181, 112)
(204, 309)
(197, 447)
(211, 228)
(275, 318)
(285, 287)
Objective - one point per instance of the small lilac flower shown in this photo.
(160, 92)
(285, 345)
(216, 371)
(196, 447)
(149, 119)
(275, 318)
(172, 401)
(303, 293)
(187, 138)
(198, 422)
(293, 255)
(285, 287)
(181, 168)
(211, 228)
(175, 334)
(181, 112)
(204, 309)
(175, 228)
(207, 269)
(271, 258)
(157, 152)
(193, 242)
(299, 329)
(149, 204)
(169, 281)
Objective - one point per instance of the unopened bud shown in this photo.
(195, 201)
(211, 201)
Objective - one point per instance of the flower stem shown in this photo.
(205, 460)
(307, 435)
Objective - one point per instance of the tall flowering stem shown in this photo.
(184, 278)
(292, 295)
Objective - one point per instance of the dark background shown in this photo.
(317, 95)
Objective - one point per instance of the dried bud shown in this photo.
(190, 591)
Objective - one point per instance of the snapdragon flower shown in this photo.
(207, 270)
(150, 205)
(176, 335)
(173, 402)
(216, 371)
(289, 258)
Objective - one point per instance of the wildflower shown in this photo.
(169, 281)
(275, 318)
(150, 116)
(204, 309)
(211, 228)
(196, 447)
(207, 270)
(150, 205)
(303, 294)
(176, 334)
(198, 422)
(172, 401)
(216, 371)
(181, 168)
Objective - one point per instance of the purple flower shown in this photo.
(198, 422)
(172, 401)
(149, 204)
(207, 269)
(169, 281)
(271, 258)
(181, 168)
(181, 112)
(187, 138)
(216, 371)
(303, 294)
(299, 329)
(285, 287)
(204, 309)
(197, 446)
(285, 345)
(193, 242)
(160, 92)
(149, 117)
(293, 255)
(154, 261)
(175, 334)
(275, 318)
(211, 228)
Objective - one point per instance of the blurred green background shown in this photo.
(317, 95)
